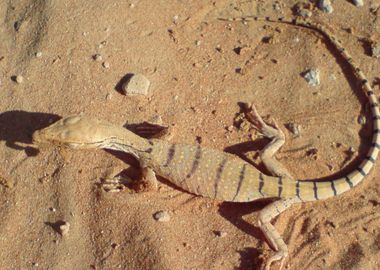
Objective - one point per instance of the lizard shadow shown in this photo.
(17, 127)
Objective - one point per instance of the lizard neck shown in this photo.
(128, 142)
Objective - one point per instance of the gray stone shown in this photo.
(138, 84)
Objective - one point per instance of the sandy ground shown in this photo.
(189, 57)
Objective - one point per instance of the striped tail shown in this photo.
(311, 190)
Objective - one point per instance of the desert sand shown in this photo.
(200, 68)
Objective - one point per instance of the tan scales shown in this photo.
(216, 174)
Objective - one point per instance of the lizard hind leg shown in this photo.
(272, 210)
(271, 234)
(277, 140)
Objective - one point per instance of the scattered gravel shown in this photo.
(294, 128)
(19, 79)
(106, 64)
(138, 84)
(97, 57)
(162, 216)
(312, 76)
(64, 228)
(362, 120)
(220, 234)
(305, 13)
(358, 3)
(375, 50)
(325, 6)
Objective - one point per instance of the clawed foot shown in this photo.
(117, 184)
(258, 123)
(278, 256)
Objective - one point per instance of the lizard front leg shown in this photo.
(147, 182)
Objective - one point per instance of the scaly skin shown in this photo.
(216, 174)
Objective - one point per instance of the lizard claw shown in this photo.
(116, 184)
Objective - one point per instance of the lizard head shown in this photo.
(74, 132)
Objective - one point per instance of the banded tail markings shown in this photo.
(196, 160)
(333, 187)
(170, 155)
(279, 186)
(315, 189)
(371, 159)
(241, 180)
(298, 189)
(349, 182)
(261, 184)
(361, 171)
(218, 176)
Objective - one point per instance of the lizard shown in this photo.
(219, 175)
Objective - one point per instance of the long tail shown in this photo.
(311, 190)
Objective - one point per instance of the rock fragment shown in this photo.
(162, 216)
(358, 3)
(325, 6)
(18, 79)
(220, 234)
(138, 84)
(375, 49)
(64, 228)
(294, 128)
(97, 57)
(312, 76)
(38, 54)
(362, 120)
(106, 64)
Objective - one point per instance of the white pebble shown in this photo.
(106, 64)
(294, 128)
(138, 84)
(325, 6)
(358, 3)
(97, 57)
(375, 50)
(64, 228)
(362, 120)
(162, 216)
(19, 79)
(221, 234)
(312, 77)
(38, 54)
(305, 13)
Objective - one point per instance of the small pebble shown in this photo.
(220, 234)
(305, 13)
(138, 84)
(362, 120)
(64, 228)
(97, 57)
(106, 64)
(358, 3)
(35, 264)
(38, 54)
(325, 6)
(156, 119)
(198, 42)
(162, 216)
(294, 128)
(19, 79)
(375, 50)
(312, 77)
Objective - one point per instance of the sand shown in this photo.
(199, 69)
